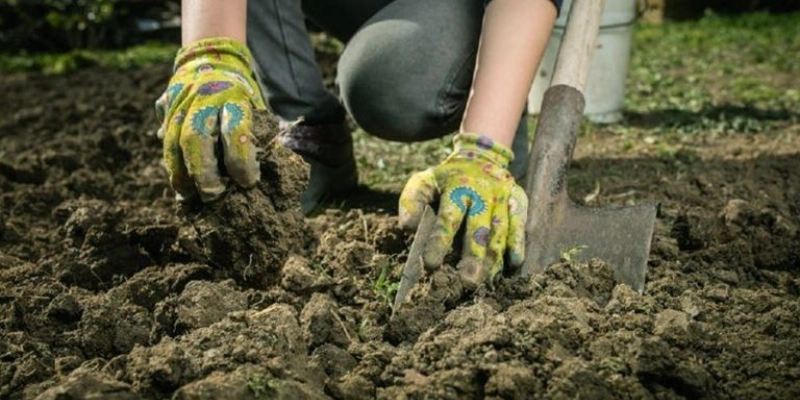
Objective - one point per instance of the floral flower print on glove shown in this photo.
(207, 112)
(473, 187)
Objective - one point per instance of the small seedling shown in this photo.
(262, 388)
(384, 287)
(569, 255)
(257, 385)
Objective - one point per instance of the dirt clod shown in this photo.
(248, 234)
(203, 303)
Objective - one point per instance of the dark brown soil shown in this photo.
(107, 291)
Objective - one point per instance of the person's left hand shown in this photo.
(472, 183)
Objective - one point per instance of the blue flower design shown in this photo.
(204, 120)
(481, 236)
(172, 93)
(464, 197)
(232, 116)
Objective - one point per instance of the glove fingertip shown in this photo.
(516, 257)
(419, 191)
(433, 256)
(160, 106)
(472, 272)
(518, 215)
(409, 214)
(209, 185)
(239, 144)
(246, 178)
(209, 194)
(243, 168)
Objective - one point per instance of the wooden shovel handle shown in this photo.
(577, 47)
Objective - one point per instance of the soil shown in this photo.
(109, 290)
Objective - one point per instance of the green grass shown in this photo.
(387, 165)
(717, 75)
(385, 287)
(137, 56)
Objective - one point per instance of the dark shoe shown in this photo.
(520, 147)
(328, 149)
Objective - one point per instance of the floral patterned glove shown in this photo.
(473, 183)
(207, 110)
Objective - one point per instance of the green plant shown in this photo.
(136, 56)
(714, 76)
(257, 385)
(384, 286)
(85, 23)
(261, 387)
(568, 255)
(627, 144)
(56, 26)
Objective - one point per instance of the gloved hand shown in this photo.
(472, 183)
(207, 110)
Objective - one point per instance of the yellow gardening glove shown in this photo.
(472, 183)
(207, 110)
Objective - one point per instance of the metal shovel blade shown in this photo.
(620, 236)
(412, 270)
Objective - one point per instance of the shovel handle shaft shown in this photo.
(577, 47)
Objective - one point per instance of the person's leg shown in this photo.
(293, 85)
(284, 55)
(342, 18)
(406, 74)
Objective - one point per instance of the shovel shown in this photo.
(620, 236)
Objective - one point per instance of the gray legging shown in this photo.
(404, 75)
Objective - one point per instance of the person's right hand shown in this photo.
(207, 110)
(475, 189)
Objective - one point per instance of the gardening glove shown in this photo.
(206, 111)
(473, 183)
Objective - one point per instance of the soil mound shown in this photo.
(107, 291)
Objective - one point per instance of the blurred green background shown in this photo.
(36, 26)
(62, 25)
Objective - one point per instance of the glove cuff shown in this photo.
(471, 145)
(216, 49)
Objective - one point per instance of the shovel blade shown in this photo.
(619, 236)
(412, 270)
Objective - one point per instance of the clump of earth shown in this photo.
(109, 290)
